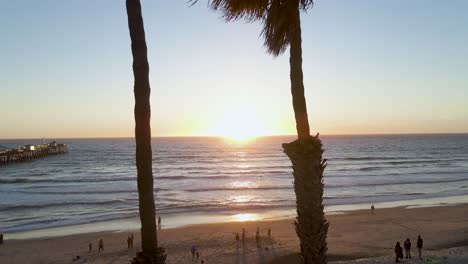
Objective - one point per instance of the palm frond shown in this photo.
(278, 21)
(276, 15)
(250, 10)
(276, 26)
(306, 4)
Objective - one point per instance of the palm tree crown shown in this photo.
(278, 17)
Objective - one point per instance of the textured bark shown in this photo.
(311, 225)
(296, 75)
(306, 157)
(142, 130)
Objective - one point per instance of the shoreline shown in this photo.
(181, 219)
(353, 235)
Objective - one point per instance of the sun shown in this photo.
(239, 126)
(239, 137)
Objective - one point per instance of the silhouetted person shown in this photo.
(257, 237)
(90, 247)
(101, 245)
(1, 239)
(237, 238)
(398, 252)
(159, 222)
(407, 246)
(243, 235)
(131, 239)
(198, 255)
(269, 233)
(128, 242)
(419, 244)
(372, 209)
(193, 250)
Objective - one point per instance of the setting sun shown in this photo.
(239, 125)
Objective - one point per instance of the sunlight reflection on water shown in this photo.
(245, 217)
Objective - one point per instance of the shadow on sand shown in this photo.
(295, 258)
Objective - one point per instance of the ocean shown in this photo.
(202, 179)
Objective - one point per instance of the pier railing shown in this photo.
(30, 152)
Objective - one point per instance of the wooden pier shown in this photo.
(31, 152)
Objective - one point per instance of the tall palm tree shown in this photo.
(282, 28)
(144, 157)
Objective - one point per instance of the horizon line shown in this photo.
(287, 135)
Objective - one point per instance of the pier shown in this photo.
(31, 152)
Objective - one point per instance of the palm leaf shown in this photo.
(276, 16)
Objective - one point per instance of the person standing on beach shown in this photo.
(419, 244)
(101, 245)
(90, 247)
(398, 252)
(407, 246)
(193, 250)
(243, 235)
(257, 237)
(1, 239)
(269, 233)
(372, 209)
(159, 222)
(131, 239)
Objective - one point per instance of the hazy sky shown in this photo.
(369, 67)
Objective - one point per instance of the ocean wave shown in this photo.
(239, 188)
(333, 186)
(59, 204)
(436, 181)
(99, 191)
(217, 207)
(392, 194)
(16, 180)
(227, 174)
(67, 221)
(67, 180)
(370, 158)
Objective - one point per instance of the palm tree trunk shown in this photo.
(297, 83)
(306, 157)
(142, 130)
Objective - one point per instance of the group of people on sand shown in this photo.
(196, 254)
(407, 246)
(257, 237)
(100, 246)
(130, 240)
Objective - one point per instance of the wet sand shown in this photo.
(353, 235)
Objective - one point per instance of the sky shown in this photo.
(370, 67)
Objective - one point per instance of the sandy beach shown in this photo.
(354, 237)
